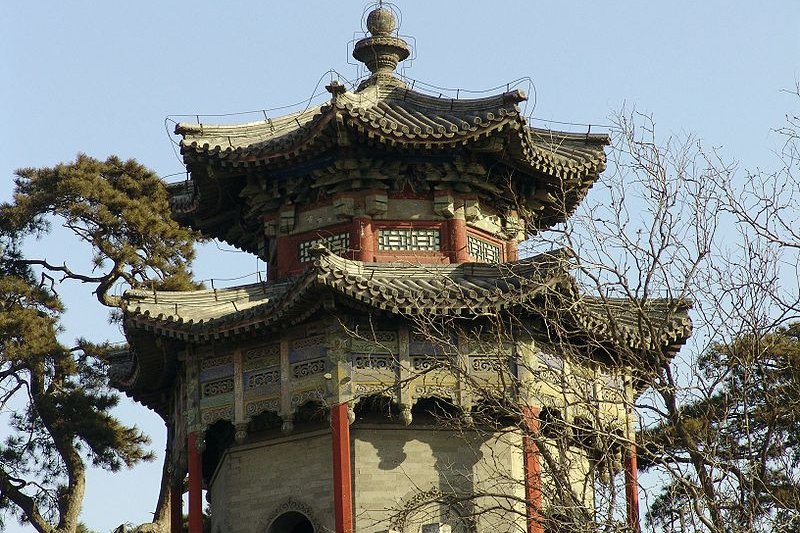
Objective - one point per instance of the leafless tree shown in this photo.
(670, 226)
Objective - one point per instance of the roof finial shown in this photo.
(383, 49)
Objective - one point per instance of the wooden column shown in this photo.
(533, 471)
(342, 480)
(364, 237)
(631, 468)
(512, 250)
(632, 488)
(195, 485)
(458, 240)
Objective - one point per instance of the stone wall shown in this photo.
(398, 470)
(401, 479)
(256, 482)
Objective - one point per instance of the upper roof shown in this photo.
(540, 174)
(394, 115)
(242, 172)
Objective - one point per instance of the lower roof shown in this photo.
(540, 288)
(406, 288)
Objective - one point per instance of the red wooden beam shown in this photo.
(342, 476)
(632, 488)
(195, 486)
(533, 471)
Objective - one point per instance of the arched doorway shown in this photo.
(291, 522)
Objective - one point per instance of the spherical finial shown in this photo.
(381, 21)
(382, 49)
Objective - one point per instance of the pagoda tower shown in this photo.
(397, 367)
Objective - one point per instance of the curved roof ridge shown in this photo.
(546, 134)
(248, 135)
(436, 103)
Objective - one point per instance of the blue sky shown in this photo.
(100, 77)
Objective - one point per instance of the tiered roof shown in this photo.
(365, 139)
(539, 286)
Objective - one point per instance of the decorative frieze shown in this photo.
(378, 342)
(209, 416)
(440, 391)
(213, 362)
(488, 364)
(215, 388)
(263, 378)
(215, 373)
(337, 244)
(427, 345)
(411, 239)
(307, 348)
(306, 396)
(257, 407)
(261, 356)
(373, 362)
(426, 363)
(490, 345)
(308, 368)
(371, 389)
(552, 362)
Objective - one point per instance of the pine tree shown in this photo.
(61, 403)
(744, 432)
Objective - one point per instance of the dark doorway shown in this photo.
(291, 522)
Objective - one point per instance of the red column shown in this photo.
(632, 488)
(195, 486)
(512, 250)
(342, 481)
(176, 507)
(459, 252)
(363, 235)
(533, 471)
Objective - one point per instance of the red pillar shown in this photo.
(533, 471)
(459, 252)
(632, 488)
(512, 250)
(195, 486)
(342, 481)
(363, 235)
